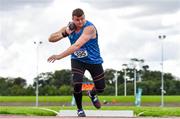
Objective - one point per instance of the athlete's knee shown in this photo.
(77, 84)
(77, 88)
(100, 90)
(100, 85)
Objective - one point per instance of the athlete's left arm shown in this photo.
(88, 33)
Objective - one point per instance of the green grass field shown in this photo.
(139, 111)
(86, 99)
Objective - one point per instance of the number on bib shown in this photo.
(81, 53)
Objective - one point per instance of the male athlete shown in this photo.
(85, 55)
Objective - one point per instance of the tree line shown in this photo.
(60, 83)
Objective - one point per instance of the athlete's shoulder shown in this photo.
(88, 23)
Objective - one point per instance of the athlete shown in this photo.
(85, 55)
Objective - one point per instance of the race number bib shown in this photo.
(81, 53)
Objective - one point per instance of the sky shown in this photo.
(127, 29)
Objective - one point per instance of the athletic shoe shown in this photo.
(95, 100)
(81, 113)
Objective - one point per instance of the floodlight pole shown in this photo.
(125, 82)
(161, 37)
(134, 61)
(125, 86)
(116, 83)
(135, 81)
(141, 64)
(37, 68)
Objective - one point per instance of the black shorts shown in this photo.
(96, 70)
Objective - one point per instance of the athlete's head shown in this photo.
(78, 17)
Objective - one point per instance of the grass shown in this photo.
(86, 99)
(138, 111)
(33, 98)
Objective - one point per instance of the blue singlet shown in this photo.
(89, 52)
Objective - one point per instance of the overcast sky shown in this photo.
(127, 29)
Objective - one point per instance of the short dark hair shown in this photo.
(77, 12)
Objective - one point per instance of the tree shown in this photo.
(65, 90)
(19, 81)
(4, 86)
(109, 76)
(62, 77)
(48, 90)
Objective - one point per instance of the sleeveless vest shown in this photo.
(89, 52)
